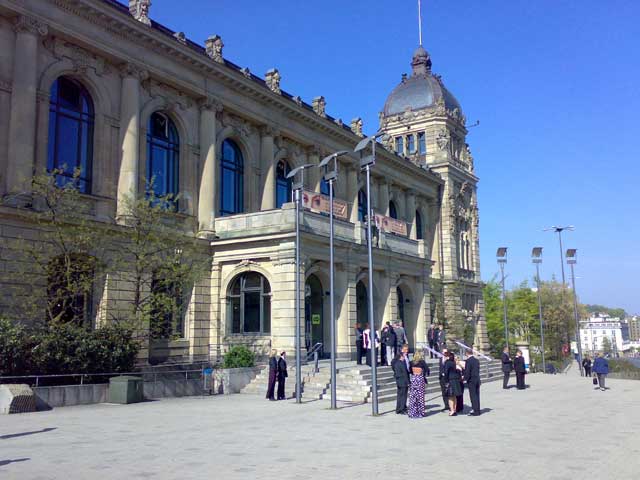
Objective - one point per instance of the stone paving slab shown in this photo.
(559, 428)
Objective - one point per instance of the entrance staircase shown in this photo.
(354, 381)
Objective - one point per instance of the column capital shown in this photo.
(27, 24)
(269, 131)
(129, 69)
(314, 150)
(210, 103)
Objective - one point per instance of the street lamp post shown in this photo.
(501, 255)
(536, 258)
(330, 177)
(572, 260)
(366, 162)
(559, 231)
(297, 189)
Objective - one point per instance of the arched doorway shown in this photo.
(314, 314)
(403, 309)
(362, 307)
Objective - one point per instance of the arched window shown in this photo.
(163, 155)
(250, 304)
(231, 179)
(324, 187)
(283, 184)
(70, 146)
(400, 300)
(393, 212)
(419, 233)
(69, 288)
(362, 205)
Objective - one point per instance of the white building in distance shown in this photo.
(596, 329)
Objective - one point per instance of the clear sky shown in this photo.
(554, 84)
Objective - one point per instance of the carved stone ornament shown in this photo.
(441, 109)
(246, 72)
(80, 58)
(214, 46)
(240, 125)
(272, 79)
(298, 100)
(210, 103)
(339, 121)
(319, 105)
(129, 69)
(356, 126)
(26, 24)
(173, 97)
(180, 36)
(442, 139)
(139, 9)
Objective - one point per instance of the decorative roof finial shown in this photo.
(139, 9)
(421, 62)
(214, 46)
(272, 79)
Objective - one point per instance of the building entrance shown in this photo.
(314, 315)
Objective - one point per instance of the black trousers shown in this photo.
(367, 353)
(473, 385)
(587, 371)
(383, 354)
(281, 394)
(359, 352)
(401, 401)
(432, 345)
(505, 380)
(444, 395)
(520, 380)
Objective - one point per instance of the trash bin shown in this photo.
(125, 389)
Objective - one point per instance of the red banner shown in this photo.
(391, 225)
(316, 202)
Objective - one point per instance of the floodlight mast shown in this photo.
(536, 258)
(501, 256)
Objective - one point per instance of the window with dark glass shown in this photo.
(411, 143)
(393, 212)
(250, 304)
(399, 146)
(362, 205)
(163, 156)
(70, 144)
(168, 306)
(419, 234)
(324, 187)
(283, 184)
(400, 299)
(231, 179)
(69, 288)
(422, 143)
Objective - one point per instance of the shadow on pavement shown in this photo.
(7, 462)
(23, 434)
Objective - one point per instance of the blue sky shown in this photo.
(553, 83)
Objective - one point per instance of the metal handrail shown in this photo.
(480, 354)
(315, 349)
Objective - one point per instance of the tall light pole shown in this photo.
(330, 177)
(297, 189)
(536, 258)
(366, 162)
(501, 255)
(559, 231)
(572, 259)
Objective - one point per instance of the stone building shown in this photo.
(98, 85)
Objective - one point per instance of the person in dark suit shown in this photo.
(452, 382)
(432, 338)
(442, 380)
(401, 374)
(472, 377)
(586, 364)
(358, 332)
(273, 374)
(460, 398)
(507, 366)
(441, 340)
(518, 365)
(282, 375)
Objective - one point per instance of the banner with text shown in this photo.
(316, 202)
(391, 225)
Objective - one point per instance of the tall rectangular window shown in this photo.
(422, 143)
(411, 143)
(399, 146)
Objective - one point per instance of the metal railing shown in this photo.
(476, 352)
(315, 354)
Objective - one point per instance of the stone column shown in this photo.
(268, 167)
(352, 193)
(22, 122)
(341, 183)
(410, 214)
(383, 203)
(129, 136)
(313, 173)
(208, 193)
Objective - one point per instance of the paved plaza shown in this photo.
(558, 428)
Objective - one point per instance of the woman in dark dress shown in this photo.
(460, 398)
(282, 375)
(273, 373)
(518, 366)
(419, 373)
(452, 380)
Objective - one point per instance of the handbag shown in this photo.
(447, 390)
(595, 381)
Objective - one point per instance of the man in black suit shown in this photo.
(507, 366)
(358, 333)
(432, 338)
(443, 381)
(472, 377)
(401, 375)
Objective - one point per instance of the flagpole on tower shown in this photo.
(420, 21)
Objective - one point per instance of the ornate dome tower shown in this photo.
(424, 123)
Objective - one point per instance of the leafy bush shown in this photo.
(238, 357)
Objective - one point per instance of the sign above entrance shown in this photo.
(315, 319)
(316, 202)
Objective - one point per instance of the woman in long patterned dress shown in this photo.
(419, 373)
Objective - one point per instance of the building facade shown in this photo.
(98, 86)
(594, 331)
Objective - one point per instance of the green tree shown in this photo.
(607, 348)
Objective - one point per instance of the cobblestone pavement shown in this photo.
(558, 428)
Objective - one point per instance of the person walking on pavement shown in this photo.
(586, 364)
(432, 338)
(358, 332)
(472, 377)
(282, 375)
(401, 375)
(519, 367)
(601, 369)
(273, 374)
(507, 366)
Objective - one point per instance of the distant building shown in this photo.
(634, 328)
(624, 325)
(596, 329)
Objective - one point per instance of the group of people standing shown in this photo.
(411, 380)
(391, 339)
(277, 372)
(516, 364)
(600, 370)
(436, 339)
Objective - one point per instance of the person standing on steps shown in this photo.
(401, 375)
(384, 340)
(601, 369)
(391, 344)
(401, 336)
(358, 333)
(518, 365)
(273, 374)
(368, 337)
(586, 364)
(507, 366)
(441, 341)
(432, 338)
(472, 377)
(282, 376)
